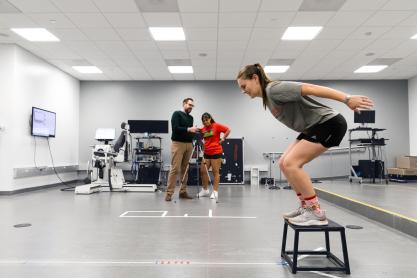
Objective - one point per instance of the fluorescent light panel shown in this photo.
(180, 69)
(414, 37)
(370, 69)
(301, 33)
(167, 33)
(276, 69)
(87, 69)
(35, 34)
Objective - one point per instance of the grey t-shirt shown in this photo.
(294, 110)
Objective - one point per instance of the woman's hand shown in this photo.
(358, 103)
(221, 141)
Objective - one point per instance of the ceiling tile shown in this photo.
(137, 73)
(111, 6)
(368, 32)
(113, 48)
(199, 20)
(172, 45)
(280, 5)
(322, 5)
(126, 20)
(409, 21)
(352, 44)
(400, 5)
(137, 46)
(134, 34)
(159, 6)
(202, 45)
(162, 19)
(400, 33)
(360, 5)
(69, 34)
(311, 18)
(274, 19)
(75, 6)
(101, 34)
(344, 18)
(51, 20)
(330, 32)
(38, 6)
(387, 18)
(175, 54)
(16, 21)
(234, 34)
(191, 6)
(89, 20)
(201, 34)
(239, 5)
(238, 20)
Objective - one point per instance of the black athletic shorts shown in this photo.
(214, 156)
(329, 134)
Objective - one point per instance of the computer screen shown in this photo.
(148, 126)
(105, 134)
(43, 122)
(364, 117)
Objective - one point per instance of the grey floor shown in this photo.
(84, 236)
(395, 197)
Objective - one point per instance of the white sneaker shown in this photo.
(309, 217)
(214, 195)
(203, 193)
(293, 213)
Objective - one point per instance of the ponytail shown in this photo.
(247, 73)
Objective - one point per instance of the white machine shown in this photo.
(102, 171)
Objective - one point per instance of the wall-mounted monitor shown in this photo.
(364, 117)
(43, 122)
(148, 126)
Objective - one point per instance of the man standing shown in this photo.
(181, 148)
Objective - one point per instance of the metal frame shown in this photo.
(331, 227)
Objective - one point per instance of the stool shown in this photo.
(331, 227)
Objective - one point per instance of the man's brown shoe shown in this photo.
(168, 198)
(185, 195)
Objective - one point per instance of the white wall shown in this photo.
(37, 83)
(412, 112)
(7, 69)
(157, 100)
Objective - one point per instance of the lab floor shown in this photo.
(141, 235)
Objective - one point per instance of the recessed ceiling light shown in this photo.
(414, 37)
(301, 33)
(180, 69)
(87, 69)
(276, 69)
(167, 33)
(35, 34)
(370, 69)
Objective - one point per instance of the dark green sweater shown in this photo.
(180, 121)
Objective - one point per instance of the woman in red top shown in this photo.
(213, 151)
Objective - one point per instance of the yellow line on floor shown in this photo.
(369, 205)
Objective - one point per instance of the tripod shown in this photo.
(198, 150)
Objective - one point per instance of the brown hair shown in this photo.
(207, 116)
(247, 73)
(186, 100)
